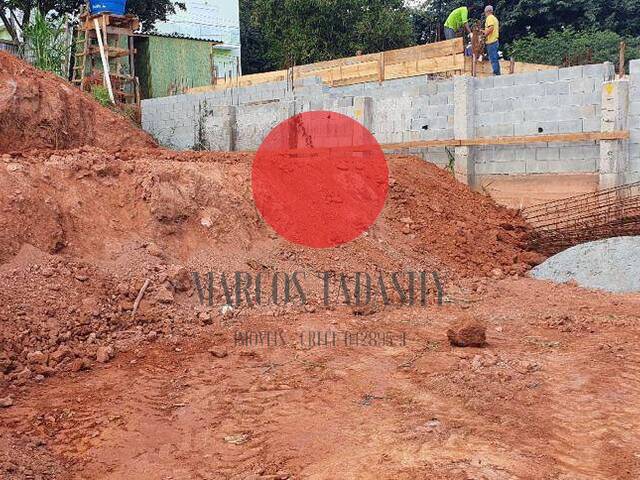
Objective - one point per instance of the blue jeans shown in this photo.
(449, 33)
(492, 50)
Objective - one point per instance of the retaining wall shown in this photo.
(569, 100)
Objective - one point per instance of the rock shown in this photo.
(218, 353)
(226, 311)
(179, 278)
(6, 402)
(467, 332)
(80, 364)
(165, 295)
(104, 354)
(24, 374)
(60, 354)
(37, 358)
(497, 273)
(532, 258)
(206, 222)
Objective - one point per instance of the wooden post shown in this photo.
(621, 68)
(512, 66)
(105, 61)
(381, 67)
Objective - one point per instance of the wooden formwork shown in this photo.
(442, 58)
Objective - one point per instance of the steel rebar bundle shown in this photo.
(614, 212)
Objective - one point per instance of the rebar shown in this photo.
(561, 224)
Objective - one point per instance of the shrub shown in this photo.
(573, 47)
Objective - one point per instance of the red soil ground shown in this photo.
(89, 390)
(39, 110)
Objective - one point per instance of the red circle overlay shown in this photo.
(320, 179)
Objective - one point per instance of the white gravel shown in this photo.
(612, 265)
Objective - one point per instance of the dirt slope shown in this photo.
(40, 110)
(81, 230)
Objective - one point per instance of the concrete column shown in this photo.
(218, 128)
(614, 154)
(464, 128)
(363, 110)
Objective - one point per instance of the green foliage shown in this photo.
(149, 11)
(519, 18)
(286, 32)
(572, 45)
(45, 40)
(101, 94)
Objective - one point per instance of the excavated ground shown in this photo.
(90, 388)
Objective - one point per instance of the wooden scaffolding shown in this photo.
(105, 42)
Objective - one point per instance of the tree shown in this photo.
(519, 18)
(149, 11)
(572, 45)
(307, 31)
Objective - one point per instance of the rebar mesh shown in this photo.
(614, 212)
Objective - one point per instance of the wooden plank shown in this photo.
(516, 140)
(422, 52)
(551, 138)
(520, 140)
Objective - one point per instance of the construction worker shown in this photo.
(456, 23)
(492, 34)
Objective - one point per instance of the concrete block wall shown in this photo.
(554, 101)
(569, 100)
(633, 166)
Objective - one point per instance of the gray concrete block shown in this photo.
(582, 85)
(570, 73)
(545, 76)
(502, 105)
(501, 168)
(570, 126)
(484, 83)
(557, 88)
(504, 81)
(445, 87)
(546, 154)
(542, 115)
(439, 99)
(526, 78)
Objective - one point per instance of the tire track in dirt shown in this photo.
(595, 415)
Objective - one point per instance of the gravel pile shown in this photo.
(612, 265)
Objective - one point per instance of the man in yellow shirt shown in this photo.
(492, 33)
(457, 19)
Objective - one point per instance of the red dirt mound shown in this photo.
(81, 230)
(40, 110)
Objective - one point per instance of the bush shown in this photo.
(45, 41)
(101, 94)
(573, 47)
